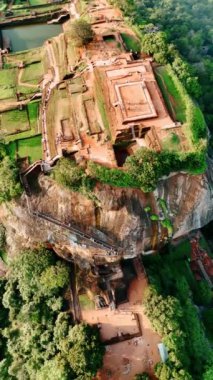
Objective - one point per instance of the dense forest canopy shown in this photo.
(38, 339)
(188, 25)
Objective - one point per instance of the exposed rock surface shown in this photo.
(189, 199)
(119, 218)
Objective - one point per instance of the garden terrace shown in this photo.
(18, 124)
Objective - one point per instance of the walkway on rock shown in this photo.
(94, 241)
(113, 251)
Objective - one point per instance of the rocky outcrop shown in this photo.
(118, 217)
(189, 199)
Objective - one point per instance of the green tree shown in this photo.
(208, 374)
(10, 186)
(156, 44)
(27, 269)
(54, 278)
(86, 353)
(69, 174)
(2, 237)
(55, 369)
(203, 294)
(142, 376)
(81, 32)
(185, 73)
(145, 168)
(37, 339)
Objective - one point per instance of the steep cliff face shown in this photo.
(118, 217)
(189, 199)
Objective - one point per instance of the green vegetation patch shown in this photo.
(14, 121)
(3, 6)
(33, 113)
(8, 77)
(25, 56)
(99, 88)
(7, 93)
(68, 174)
(7, 83)
(30, 147)
(37, 2)
(131, 42)
(11, 149)
(144, 168)
(32, 73)
(9, 180)
(171, 142)
(207, 318)
(85, 302)
(173, 99)
(169, 303)
(24, 90)
(36, 325)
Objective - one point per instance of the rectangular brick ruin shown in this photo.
(133, 100)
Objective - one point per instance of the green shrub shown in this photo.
(81, 32)
(195, 122)
(10, 186)
(144, 168)
(142, 376)
(67, 173)
(163, 205)
(2, 237)
(154, 217)
(166, 223)
(147, 209)
(114, 177)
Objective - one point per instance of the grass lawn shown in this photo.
(14, 121)
(30, 147)
(131, 42)
(33, 111)
(52, 107)
(32, 73)
(85, 302)
(23, 122)
(72, 51)
(37, 2)
(8, 77)
(7, 83)
(172, 97)
(27, 56)
(26, 90)
(171, 142)
(101, 101)
(7, 93)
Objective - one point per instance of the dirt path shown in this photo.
(20, 83)
(73, 12)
